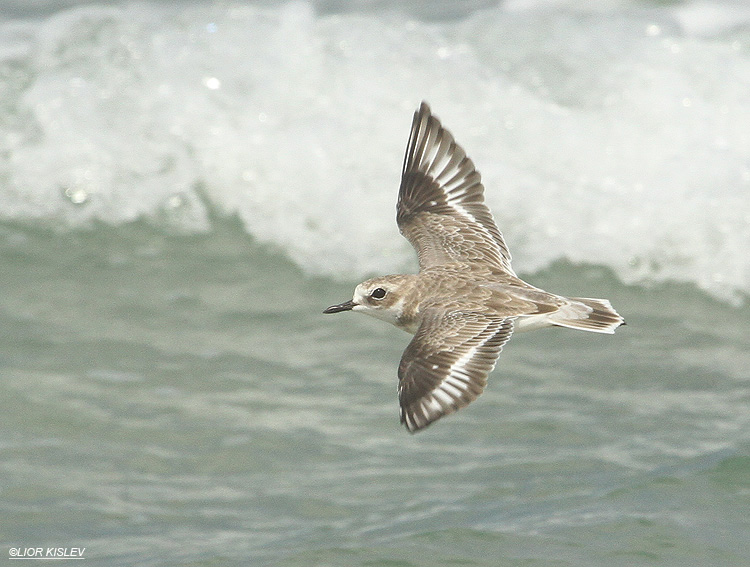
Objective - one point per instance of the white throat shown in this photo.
(388, 314)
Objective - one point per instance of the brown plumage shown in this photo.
(466, 301)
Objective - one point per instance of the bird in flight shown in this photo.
(466, 300)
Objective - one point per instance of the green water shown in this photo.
(179, 399)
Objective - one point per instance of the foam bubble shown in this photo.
(615, 136)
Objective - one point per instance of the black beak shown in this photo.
(346, 306)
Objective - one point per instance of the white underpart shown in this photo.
(527, 323)
(573, 310)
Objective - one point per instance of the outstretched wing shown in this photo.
(446, 364)
(441, 208)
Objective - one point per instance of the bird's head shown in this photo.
(383, 297)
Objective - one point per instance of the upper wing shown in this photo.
(446, 364)
(441, 208)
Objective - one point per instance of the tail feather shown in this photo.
(586, 314)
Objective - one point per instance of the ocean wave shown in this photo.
(616, 136)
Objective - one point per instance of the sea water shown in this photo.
(185, 186)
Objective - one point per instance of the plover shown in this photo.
(466, 300)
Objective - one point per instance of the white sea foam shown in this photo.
(618, 135)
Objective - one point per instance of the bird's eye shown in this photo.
(378, 293)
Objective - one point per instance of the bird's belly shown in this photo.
(526, 323)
